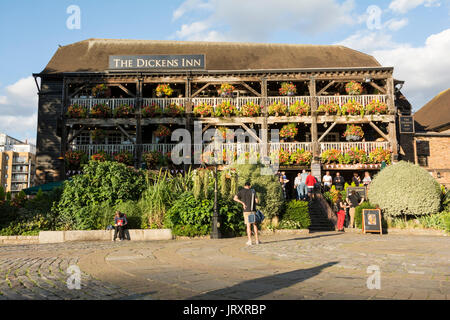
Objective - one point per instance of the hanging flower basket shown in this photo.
(98, 135)
(287, 89)
(353, 133)
(99, 90)
(289, 131)
(163, 90)
(162, 131)
(353, 88)
(226, 90)
(151, 111)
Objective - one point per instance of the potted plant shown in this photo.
(250, 109)
(151, 111)
(379, 155)
(331, 156)
(353, 133)
(352, 107)
(203, 109)
(287, 89)
(98, 135)
(284, 157)
(100, 156)
(74, 159)
(329, 108)
(123, 111)
(124, 157)
(376, 107)
(174, 110)
(353, 88)
(163, 90)
(225, 109)
(100, 110)
(277, 108)
(152, 159)
(357, 156)
(76, 111)
(162, 131)
(289, 131)
(301, 157)
(226, 90)
(100, 90)
(299, 108)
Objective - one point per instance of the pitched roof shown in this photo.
(92, 55)
(435, 115)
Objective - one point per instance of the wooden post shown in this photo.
(189, 124)
(392, 125)
(264, 125)
(63, 147)
(416, 158)
(314, 134)
(138, 143)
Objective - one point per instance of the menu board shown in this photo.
(372, 221)
(360, 190)
(406, 124)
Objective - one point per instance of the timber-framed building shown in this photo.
(131, 70)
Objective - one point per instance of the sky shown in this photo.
(413, 36)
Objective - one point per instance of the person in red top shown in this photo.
(310, 183)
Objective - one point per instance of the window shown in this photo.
(423, 161)
(114, 138)
(83, 138)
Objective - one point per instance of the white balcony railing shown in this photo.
(88, 103)
(288, 100)
(164, 102)
(346, 146)
(341, 100)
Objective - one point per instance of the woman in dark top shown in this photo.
(120, 222)
(340, 213)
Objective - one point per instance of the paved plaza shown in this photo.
(325, 265)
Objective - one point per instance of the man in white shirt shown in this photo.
(297, 182)
(327, 181)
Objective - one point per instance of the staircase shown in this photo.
(321, 215)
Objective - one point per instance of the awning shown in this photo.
(44, 187)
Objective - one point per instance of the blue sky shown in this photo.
(413, 36)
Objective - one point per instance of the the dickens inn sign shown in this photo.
(157, 62)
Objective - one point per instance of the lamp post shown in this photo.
(215, 233)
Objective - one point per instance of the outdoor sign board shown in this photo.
(158, 62)
(406, 124)
(315, 171)
(371, 221)
(360, 190)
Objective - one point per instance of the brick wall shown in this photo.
(437, 153)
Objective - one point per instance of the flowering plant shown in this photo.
(331, 108)
(225, 109)
(330, 156)
(289, 130)
(100, 156)
(100, 110)
(99, 90)
(379, 154)
(287, 89)
(163, 90)
(76, 111)
(98, 135)
(354, 131)
(284, 157)
(250, 109)
(124, 157)
(174, 110)
(353, 88)
(352, 107)
(227, 134)
(301, 157)
(151, 111)
(226, 89)
(357, 155)
(376, 106)
(162, 131)
(74, 159)
(124, 111)
(153, 158)
(277, 108)
(299, 108)
(203, 109)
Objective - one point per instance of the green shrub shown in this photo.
(405, 189)
(103, 184)
(133, 212)
(26, 227)
(439, 220)
(358, 213)
(267, 187)
(296, 215)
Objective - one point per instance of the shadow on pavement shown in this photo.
(305, 238)
(252, 289)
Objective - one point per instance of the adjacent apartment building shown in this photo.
(17, 164)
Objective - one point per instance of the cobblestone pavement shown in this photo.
(308, 266)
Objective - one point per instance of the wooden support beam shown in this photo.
(201, 89)
(379, 131)
(326, 87)
(327, 132)
(124, 89)
(206, 127)
(125, 133)
(256, 93)
(373, 84)
(250, 132)
(76, 134)
(78, 90)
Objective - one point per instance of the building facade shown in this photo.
(17, 164)
(104, 96)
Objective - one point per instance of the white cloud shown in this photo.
(403, 6)
(190, 5)
(424, 69)
(256, 20)
(396, 25)
(18, 109)
(368, 41)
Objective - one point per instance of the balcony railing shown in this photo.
(231, 147)
(238, 102)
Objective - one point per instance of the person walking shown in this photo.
(327, 181)
(340, 205)
(297, 183)
(247, 197)
(354, 200)
(120, 221)
(339, 182)
(310, 183)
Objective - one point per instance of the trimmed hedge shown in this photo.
(296, 215)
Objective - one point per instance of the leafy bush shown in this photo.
(133, 212)
(358, 213)
(26, 227)
(296, 215)
(103, 183)
(405, 189)
(192, 217)
(439, 220)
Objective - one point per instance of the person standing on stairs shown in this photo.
(340, 204)
(310, 183)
